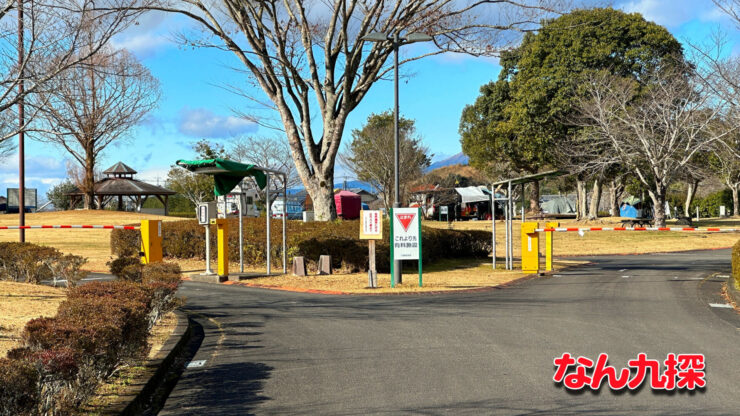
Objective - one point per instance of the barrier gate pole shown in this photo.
(548, 244)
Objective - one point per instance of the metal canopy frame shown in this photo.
(509, 210)
(214, 171)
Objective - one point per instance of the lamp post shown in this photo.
(21, 135)
(396, 41)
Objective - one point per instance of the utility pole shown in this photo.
(21, 122)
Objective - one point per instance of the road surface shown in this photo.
(268, 352)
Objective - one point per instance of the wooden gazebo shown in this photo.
(120, 183)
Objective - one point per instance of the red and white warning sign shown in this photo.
(406, 237)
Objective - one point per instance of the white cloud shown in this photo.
(671, 14)
(143, 45)
(203, 123)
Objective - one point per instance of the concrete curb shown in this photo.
(136, 396)
(732, 292)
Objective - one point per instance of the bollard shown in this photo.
(325, 265)
(222, 244)
(299, 266)
(548, 245)
(151, 241)
(530, 248)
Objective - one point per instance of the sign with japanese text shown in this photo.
(406, 234)
(371, 225)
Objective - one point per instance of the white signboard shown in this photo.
(371, 225)
(406, 236)
(444, 209)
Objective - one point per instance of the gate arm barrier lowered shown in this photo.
(530, 238)
(33, 227)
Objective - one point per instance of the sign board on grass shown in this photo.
(371, 225)
(406, 236)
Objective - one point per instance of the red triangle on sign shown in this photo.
(405, 220)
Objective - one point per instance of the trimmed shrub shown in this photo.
(709, 205)
(19, 392)
(31, 263)
(186, 239)
(126, 268)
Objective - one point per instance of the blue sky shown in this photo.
(195, 105)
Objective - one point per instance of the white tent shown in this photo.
(474, 194)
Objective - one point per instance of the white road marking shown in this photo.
(696, 278)
(623, 270)
(625, 277)
(721, 305)
(196, 364)
(723, 276)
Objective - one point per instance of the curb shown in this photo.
(426, 293)
(732, 292)
(136, 396)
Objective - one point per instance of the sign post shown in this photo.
(371, 229)
(405, 237)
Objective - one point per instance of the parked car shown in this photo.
(294, 209)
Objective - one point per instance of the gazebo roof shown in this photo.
(126, 186)
(119, 168)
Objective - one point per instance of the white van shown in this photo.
(294, 209)
(231, 201)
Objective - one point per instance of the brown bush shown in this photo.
(340, 239)
(19, 392)
(31, 263)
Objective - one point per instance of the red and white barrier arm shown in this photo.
(33, 227)
(715, 230)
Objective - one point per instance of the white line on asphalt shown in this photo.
(623, 270)
(721, 305)
(196, 364)
(625, 277)
(696, 278)
(723, 276)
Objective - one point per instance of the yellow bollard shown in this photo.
(548, 245)
(530, 248)
(151, 241)
(222, 244)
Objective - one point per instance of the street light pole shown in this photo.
(396, 42)
(397, 275)
(21, 136)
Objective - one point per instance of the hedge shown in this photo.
(31, 263)
(186, 240)
(97, 328)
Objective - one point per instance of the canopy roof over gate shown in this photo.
(226, 173)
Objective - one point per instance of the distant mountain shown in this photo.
(458, 159)
(338, 185)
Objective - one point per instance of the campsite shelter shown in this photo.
(632, 207)
(119, 183)
(558, 204)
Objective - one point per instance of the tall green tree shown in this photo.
(370, 154)
(518, 120)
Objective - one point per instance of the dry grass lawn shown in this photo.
(21, 302)
(90, 243)
(454, 274)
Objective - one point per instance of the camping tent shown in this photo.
(558, 205)
(631, 207)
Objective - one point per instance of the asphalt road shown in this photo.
(269, 352)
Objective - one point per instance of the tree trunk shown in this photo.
(534, 198)
(615, 191)
(593, 209)
(89, 182)
(735, 207)
(690, 193)
(658, 198)
(581, 200)
(323, 202)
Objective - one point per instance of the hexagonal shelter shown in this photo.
(120, 183)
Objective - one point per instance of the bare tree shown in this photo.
(309, 58)
(54, 42)
(91, 105)
(654, 135)
(268, 152)
(370, 155)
